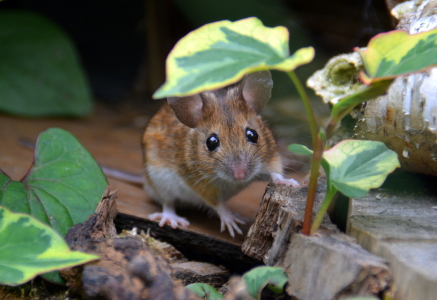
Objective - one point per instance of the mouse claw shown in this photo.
(228, 220)
(169, 216)
(279, 179)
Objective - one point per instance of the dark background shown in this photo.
(123, 44)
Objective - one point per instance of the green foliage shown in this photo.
(40, 73)
(396, 53)
(357, 166)
(29, 247)
(354, 167)
(221, 53)
(63, 186)
(256, 279)
(205, 291)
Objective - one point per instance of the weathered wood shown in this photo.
(400, 225)
(193, 245)
(279, 217)
(327, 265)
(332, 266)
(98, 225)
(195, 271)
(128, 267)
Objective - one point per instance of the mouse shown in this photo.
(205, 148)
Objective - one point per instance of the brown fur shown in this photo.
(168, 142)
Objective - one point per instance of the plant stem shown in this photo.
(330, 194)
(318, 145)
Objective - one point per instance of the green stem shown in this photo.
(318, 145)
(330, 193)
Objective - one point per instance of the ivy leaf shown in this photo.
(40, 72)
(221, 53)
(29, 247)
(300, 149)
(62, 188)
(396, 53)
(357, 166)
(347, 104)
(257, 278)
(205, 291)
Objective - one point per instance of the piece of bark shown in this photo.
(127, 269)
(279, 217)
(400, 225)
(98, 225)
(333, 266)
(195, 271)
(193, 245)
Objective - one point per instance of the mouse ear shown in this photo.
(257, 89)
(187, 109)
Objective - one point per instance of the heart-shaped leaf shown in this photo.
(29, 247)
(396, 52)
(357, 166)
(221, 53)
(205, 291)
(62, 188)
(257, 278)
(40, 73)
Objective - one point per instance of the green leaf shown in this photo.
(40, 72)
(205, 291)
(221, 53)
(346, 104)
(62, 188)
(300, 149)
(357, 166)
(396, 52)
(257, 278)
(29, 247)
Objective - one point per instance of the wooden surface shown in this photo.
(279, 217)
(400, 225)
(327, 265)
(114, 141)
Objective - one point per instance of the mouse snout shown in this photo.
(239, 171)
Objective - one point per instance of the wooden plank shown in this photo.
(400, 225)
(333, 266)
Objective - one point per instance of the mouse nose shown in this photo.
(240, 171)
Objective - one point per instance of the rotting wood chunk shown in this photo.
(127, 269)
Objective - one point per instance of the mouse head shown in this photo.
(229, 136)
(254, 89)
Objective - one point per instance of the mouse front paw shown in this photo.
(228, 220)
(171, 218)
(279, 179)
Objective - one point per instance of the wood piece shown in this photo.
(279, 217)
(193, 245)
(333, 266)
(98, 225)
(195, 271)
(127, 269)
(329, 265)
(400, 225)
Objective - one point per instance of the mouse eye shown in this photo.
(251, 135)
(212, 142)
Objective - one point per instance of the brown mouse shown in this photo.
(205, 148)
